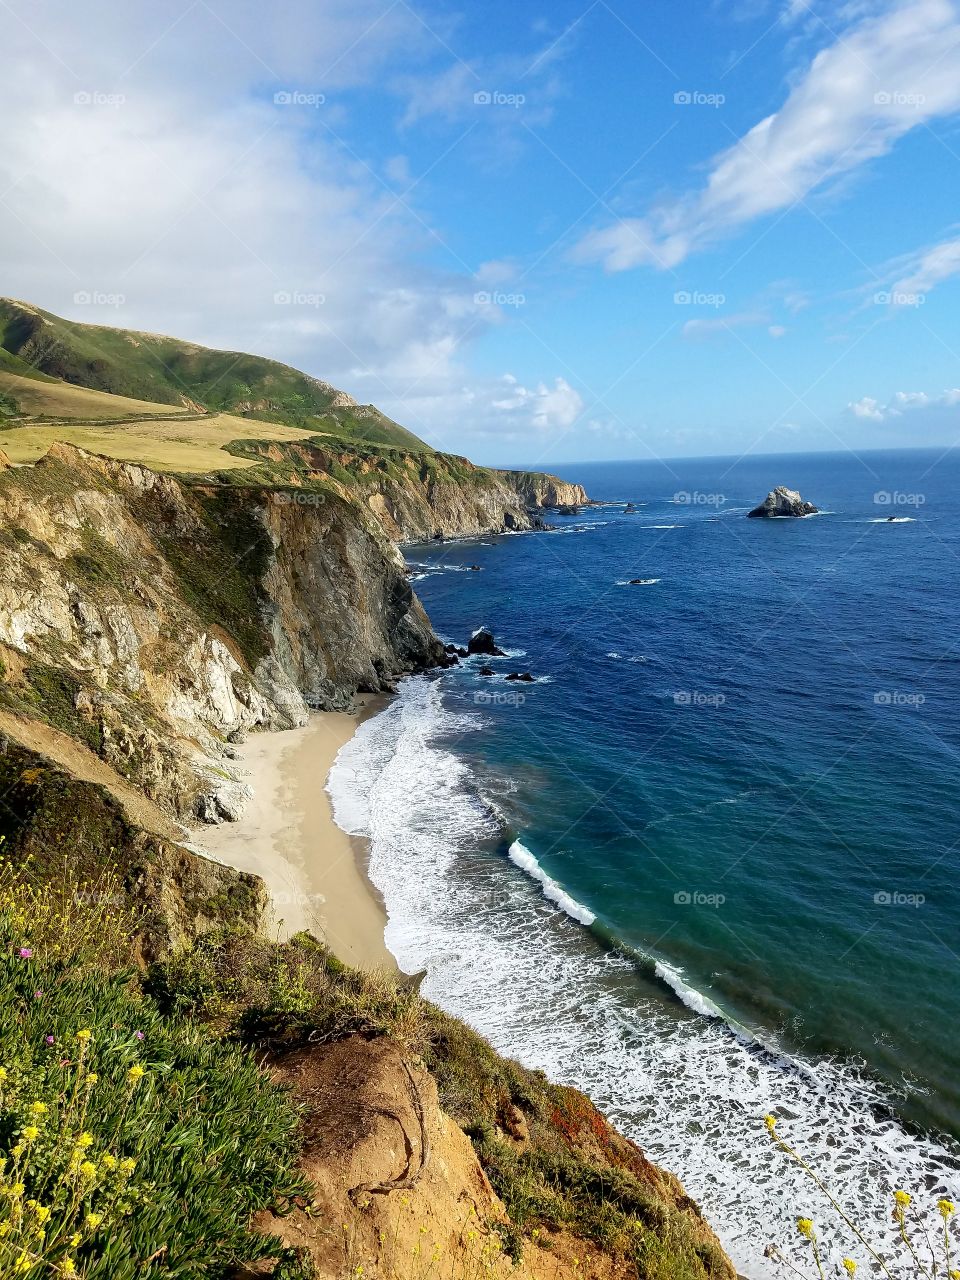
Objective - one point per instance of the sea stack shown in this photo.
(783, 502)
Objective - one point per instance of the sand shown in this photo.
(287, 836)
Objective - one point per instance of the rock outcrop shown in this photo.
(152, 620)
(414, 496)
(783, 502)
(482, 641)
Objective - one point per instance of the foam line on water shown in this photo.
(521, 857)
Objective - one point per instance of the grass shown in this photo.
(168, 371)
(115, 1117)
(574, 1173)
(50, 694)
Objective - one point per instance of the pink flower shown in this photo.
(38, 995)
(138, 1035)
(50, 1040)
(25, 953)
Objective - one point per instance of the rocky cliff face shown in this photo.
(153, 621)
(415, 496)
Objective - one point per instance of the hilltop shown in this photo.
(169, 371)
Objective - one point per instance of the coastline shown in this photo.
(314, 871)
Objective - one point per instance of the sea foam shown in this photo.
(501, 950)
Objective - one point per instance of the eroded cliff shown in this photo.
(414, 496)
(154, 620)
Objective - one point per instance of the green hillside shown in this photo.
(147, 366)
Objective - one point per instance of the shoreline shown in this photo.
(315, 873)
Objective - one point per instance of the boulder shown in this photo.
(783, 502)
(486, 671)
(456, 649)
(482, 641)
(474, 568)
(525, 676)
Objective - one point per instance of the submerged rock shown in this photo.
(525, 676)
(783, 502)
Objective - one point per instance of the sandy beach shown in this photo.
(288, 837)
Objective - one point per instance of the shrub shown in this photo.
(131, 1144)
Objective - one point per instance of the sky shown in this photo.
(530, 232)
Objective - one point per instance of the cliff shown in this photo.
(414, 496)
(153, 621)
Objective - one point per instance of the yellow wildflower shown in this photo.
(108, 1161)
(770, 1122)
(88, 1169)
(135, 1073)
(946, 1208)
(84, 1034)
(93, 1220)
(31, 1133)
(849, 1266)
(41, 1212)
(805, 1227)
(128, 1165)
(68, 1267)
(74, 1240)
(23, 1263)
(3, 1074)
(902, 1198)
(92, 1077)
(85, 1140)
(38, 1108)
(5, 1229)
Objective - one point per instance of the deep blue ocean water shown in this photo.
(707, 864)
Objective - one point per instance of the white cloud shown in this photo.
(180, 184)
(882, 77)
(867, 407)
(921, 273)
(903, 402)
(545, 408)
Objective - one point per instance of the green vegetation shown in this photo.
(51, 694)
(114, 1118)
(574, 1172)
(218, 570)
(145, 366)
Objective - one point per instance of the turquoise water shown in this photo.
(707, 864)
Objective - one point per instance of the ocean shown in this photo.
(705, 865)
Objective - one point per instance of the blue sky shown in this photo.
(528, 232)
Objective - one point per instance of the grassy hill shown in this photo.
(168, 371)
